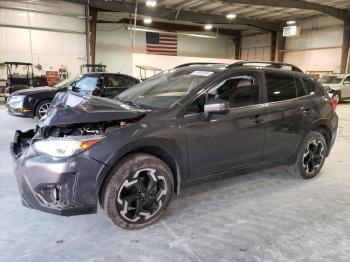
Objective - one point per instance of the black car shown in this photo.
(36, 101)
(192, 123)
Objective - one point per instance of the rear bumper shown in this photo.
(59, 186)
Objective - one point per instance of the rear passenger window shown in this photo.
(280, 87)
(299, 86)
(310, 86)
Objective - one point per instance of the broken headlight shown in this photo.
(66, 147)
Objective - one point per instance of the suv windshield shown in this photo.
(165, 89)
(68, 81)
(331, 79)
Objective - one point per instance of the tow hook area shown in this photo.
(20, 142)
(60, 195)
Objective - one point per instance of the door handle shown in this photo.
(257, 119)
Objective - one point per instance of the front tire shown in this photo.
(311, 156)
(42, 108)
(138, 191)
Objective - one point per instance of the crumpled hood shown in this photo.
(72, 108)
(333, 86)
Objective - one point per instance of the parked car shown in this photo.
(337, 85)
(188, 124)
(36, 101)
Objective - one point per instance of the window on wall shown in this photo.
(280, 86)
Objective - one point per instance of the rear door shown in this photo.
(289, 113)
(116, 84)
(223, 142)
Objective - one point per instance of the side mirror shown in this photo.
(217, 106)
(347, 83)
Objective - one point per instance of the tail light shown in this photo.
(333, 103)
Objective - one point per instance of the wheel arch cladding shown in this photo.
(326, 132)
(156, 151)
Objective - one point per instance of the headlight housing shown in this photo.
(16, 101)
(66, 147)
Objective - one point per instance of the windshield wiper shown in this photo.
(128, 102)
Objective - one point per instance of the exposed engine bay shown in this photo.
(24, 139)
(74, 114)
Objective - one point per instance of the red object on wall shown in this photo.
(52, 77)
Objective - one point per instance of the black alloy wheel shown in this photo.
(313, 156)
(310, 157)
(138, 191)
(141, 196)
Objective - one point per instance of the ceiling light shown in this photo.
(291, 22)
(208, 27)
(151, 3)
(147, 20)
(231, 16)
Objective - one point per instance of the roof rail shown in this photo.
(197, 63)
(277, 65)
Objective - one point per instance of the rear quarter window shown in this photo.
(310, 86)
(280, 86)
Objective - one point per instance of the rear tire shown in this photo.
(42, 108)
(311, 156)
(138, 191)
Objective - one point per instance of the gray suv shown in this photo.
(191, 123)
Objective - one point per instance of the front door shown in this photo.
(224, 142)
(88, 85)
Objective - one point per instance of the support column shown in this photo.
(345, 47)
(93, 26)
(280, 42)
(237, 43)
(273, 46)
(87, 33)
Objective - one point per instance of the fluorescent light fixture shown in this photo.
(231, 16)
(171, 33)
(291, 22)
(147, 20)
(151, 3)
(208, 27)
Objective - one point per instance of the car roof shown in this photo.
(105, 73)
(338, 75)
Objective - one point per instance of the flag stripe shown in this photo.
(161, 44)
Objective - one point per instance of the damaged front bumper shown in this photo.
(61, 186)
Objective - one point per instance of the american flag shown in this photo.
(161, 44)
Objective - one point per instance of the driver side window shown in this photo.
(238, 91)
(86, 84)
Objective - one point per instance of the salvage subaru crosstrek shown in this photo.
(191, 123)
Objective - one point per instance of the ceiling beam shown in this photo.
(184, 15)
(171, 27)
(328, 10)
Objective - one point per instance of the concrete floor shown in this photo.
(263, 216)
